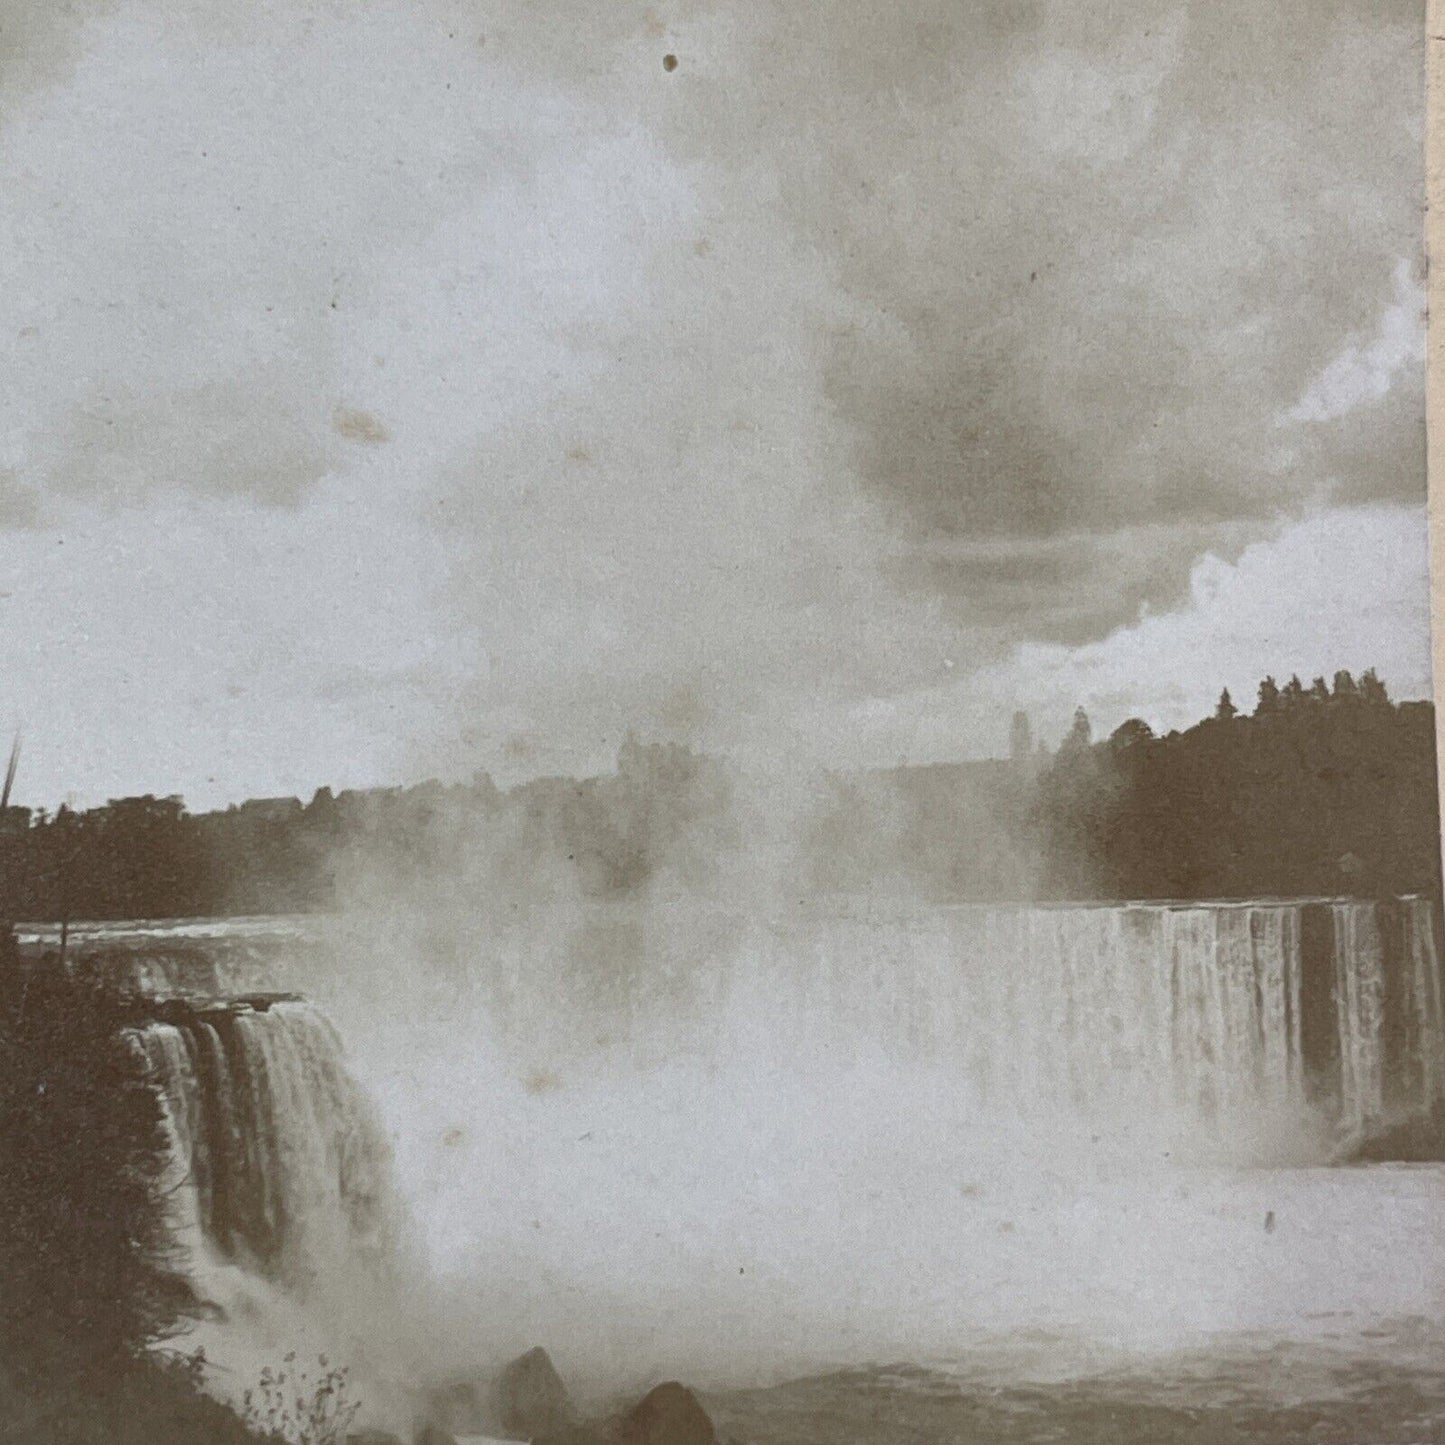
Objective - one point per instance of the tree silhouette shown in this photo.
(1080, 734)
(1329, 796)
(1372, 690)
(1269, 803)
(1128, 733)
(1020, 742)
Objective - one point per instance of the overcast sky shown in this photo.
(423, 386)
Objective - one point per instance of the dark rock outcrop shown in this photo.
(528, 1399)
(668, 1415)
(1418, 1139)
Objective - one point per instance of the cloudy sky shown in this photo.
(434, 385)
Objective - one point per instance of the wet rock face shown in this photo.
(528, 1399)
(668, 1415)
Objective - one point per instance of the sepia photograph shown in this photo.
(720, 724)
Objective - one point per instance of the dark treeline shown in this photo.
(1325, 789)
(147, 857)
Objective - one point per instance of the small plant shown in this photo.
(293, 1405)
(187, 1369)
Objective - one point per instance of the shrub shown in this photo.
(292, 1405)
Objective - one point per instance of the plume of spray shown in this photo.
(665, 1103)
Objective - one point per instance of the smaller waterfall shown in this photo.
(280, 1165)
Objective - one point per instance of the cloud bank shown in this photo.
(478, 388)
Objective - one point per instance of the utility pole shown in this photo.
(9, 945)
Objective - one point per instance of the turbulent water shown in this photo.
(1055, 1158)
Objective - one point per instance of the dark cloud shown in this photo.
(39, 42)
(247, 439)
(1072, 587)
(1099, 256)
(1096, 256)
(1075, 267)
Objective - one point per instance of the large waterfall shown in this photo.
(1215, 1010)
(1217, 1013)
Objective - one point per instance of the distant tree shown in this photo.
(1345, 686)
(1080, 734)
(1352, 868)
(1268, 701)
(1293, 694)
(1225, 710)
(1319, 690)
(1020, 738)
(1127, 734)
(1372, 690)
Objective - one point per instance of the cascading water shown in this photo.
(769, 1138)
(1220, 1013)
(280, 1165)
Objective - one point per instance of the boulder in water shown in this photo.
(372, 1437)
(1416, 1139)
(668, 1415)
(529, 1399)
(432, 1434)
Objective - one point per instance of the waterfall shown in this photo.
(1224, 1014)
(1219, 1010)
(278, 1162)
(1232, 1020)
